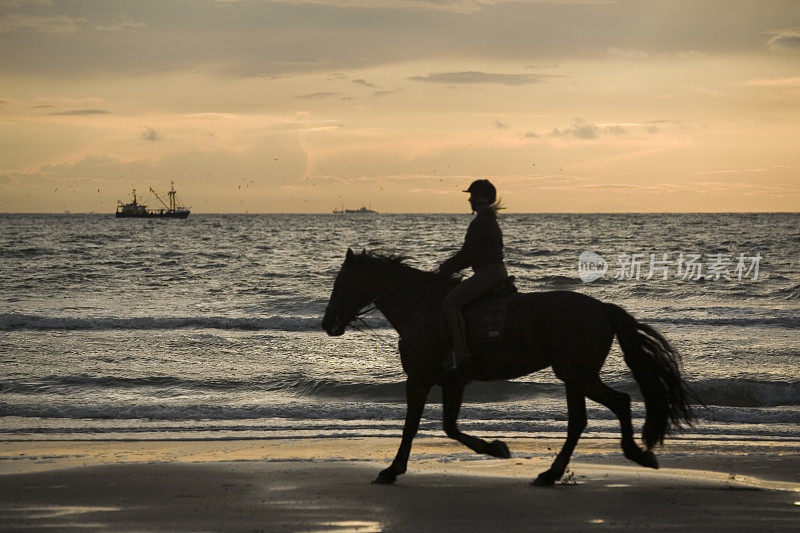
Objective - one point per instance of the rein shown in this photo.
(362, 312)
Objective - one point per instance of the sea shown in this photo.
(209, 327)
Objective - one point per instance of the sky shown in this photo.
(297, 106)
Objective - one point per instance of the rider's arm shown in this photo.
(463, 258)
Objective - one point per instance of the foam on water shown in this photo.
(275, 322)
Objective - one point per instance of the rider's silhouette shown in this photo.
(483, 250)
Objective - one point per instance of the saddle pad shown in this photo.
(486, 319)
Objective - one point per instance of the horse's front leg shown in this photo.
(416, 394)
(452, 394)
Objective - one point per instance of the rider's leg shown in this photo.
(452, 314)
(486, 278)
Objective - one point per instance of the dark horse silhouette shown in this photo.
(568, 331)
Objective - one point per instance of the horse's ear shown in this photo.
(349, 256)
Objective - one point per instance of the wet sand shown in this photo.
(324, 485)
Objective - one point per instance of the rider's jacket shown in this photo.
(482, 245)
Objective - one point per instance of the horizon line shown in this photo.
(424, 213)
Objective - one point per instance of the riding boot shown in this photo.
(459, 359)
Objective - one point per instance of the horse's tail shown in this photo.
(655, 365)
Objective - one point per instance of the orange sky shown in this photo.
(306, 105)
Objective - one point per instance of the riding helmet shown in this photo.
(483, 188)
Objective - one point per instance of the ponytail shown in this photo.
(496, 206)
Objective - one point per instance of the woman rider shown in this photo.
(483, 251)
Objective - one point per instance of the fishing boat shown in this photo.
(362, 209)
(136, 210)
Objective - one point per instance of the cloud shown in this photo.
(315, 96)
(384, 93)
(740, 171)
(787, 39)
(57, 24)
(499, 125)
(126, 23)
(582, 129)
(627, 53)
(474, 78)
(80, 112)
(268, 39)
(365, 83)
(97, 167)
(454, 6)
(775, 82)
(151, 134)
(703, 187)
(19, 3)
(215, 116)
(663, 121)
(531, 135)
(671, 53)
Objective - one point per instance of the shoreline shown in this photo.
(747, 457)
(324, 485)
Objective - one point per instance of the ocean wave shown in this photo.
(201, 411)
(733, 392)
(747, 392)
(276, 322)
(520, 252)
(788, 293)
(296, 410)
(298, 384)
(556, 279)
(25, 253)
(779, 321)
(508, 416)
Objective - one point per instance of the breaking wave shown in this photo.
(733, 392)
(274, 322)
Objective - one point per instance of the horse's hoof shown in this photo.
(648, 459)
(498, 448)
(385, 478)
(545, 479)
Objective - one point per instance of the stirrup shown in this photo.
(453, 364)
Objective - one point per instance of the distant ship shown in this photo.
(137, 210)
(361, 209)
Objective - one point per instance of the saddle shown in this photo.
(485, 318)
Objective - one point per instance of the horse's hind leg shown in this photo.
(576, 406)
(620, 404)
(452, 394)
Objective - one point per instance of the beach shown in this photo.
(324, 485)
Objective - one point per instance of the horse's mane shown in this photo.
(399, 262)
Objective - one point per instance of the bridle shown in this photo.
(366, 309)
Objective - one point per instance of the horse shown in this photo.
(568, 331)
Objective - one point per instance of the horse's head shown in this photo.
(349, 295)
(372, 277)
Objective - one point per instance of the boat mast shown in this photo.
(172, 203)
(159, 198)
